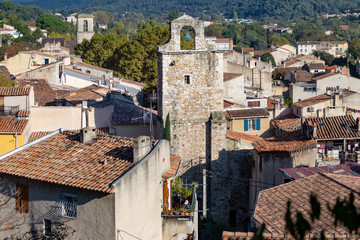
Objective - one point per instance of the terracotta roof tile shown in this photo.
(92, 92)
(288, 142)
(174, 166)
(23, 114)
(253, 112)
(324, 76)
(238, 136)
(11, 125)
(43, 93)
(348, 168)
(313, 100)
(14, 91)
(272, 203)
(288, 123)
(334, 127)
(229, 76)
(36, 135)
(63, 159)
(228, 103)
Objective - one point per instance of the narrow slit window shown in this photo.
(187, 79)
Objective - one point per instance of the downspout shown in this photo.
(15, 140)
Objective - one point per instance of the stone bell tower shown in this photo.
(85, 27)
(190, 89)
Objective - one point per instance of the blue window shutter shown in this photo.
(246, 125)
(258, 124)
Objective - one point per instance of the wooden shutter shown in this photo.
(246, 124)
(258, 124)
(165, 196)
(22, 198)
(25, 199)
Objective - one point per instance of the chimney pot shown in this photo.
(142, 146)
(87, 134)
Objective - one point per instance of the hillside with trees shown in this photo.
(255, 9)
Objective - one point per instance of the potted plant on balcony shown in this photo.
(171, 212)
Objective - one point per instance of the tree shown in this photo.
(276, 40)
(173, 15)
(279, 74)
(266, 57)
(354, 47)
(54, 24)
(235, 17)
(167, 130)
(327, 57)
(4, 81)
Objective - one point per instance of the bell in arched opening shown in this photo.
(187, 36)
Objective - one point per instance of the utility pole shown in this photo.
(204, 194)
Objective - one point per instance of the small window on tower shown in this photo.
(187, 79)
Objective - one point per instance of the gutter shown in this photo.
(136, 165)
(60, 130)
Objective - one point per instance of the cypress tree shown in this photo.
(167, 133)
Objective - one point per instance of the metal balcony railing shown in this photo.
(6, 111)
(68, 209)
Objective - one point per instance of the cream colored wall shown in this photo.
(53, 118)
(138, 196)
(78, 80)
(237, 125)
(234, 89)
(23, 62)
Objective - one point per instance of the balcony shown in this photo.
(8, 111)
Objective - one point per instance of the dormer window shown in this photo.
(187, 79)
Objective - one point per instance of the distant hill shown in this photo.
(255, 9)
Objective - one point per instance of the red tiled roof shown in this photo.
(92, 92)
(288, 142)
(272, 203)
(174, 165)
(253, 112)
(229, 76)
(334, 127)
(36, 135)
(248, 50)
(313, 100)
(43, 93)
(12, 125)
(348, 168)
(344, 27)
(324, 76)
(63, 159)
(316, 65)
(238, 136)
(228, 104)
(14, 91)
(289, 123)
(23, 113)
(223, 40)
(302, 75)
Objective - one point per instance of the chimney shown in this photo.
(142, 146)
(328, 91)
(87, 134)
(5, 56)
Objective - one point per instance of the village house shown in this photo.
(9, 30)
(315, 68)
(15, 126)
(337, 48)
(337, 138)
(94, 185)
(321, 84)
(27, 60)
(257, 74)
(223, 44)
(270, 154)
(271, 204)
(252, 121)
(299, 61)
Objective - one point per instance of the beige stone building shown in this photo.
(85, 27)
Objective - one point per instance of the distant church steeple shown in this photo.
(85, 27)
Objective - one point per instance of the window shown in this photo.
(87, 71)
(187, 79)
(22, 198)
(252, 124)
(46, 61)
(232, 218)
(47, 227)
(86, 26)
(300, 50)
(69, 205)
